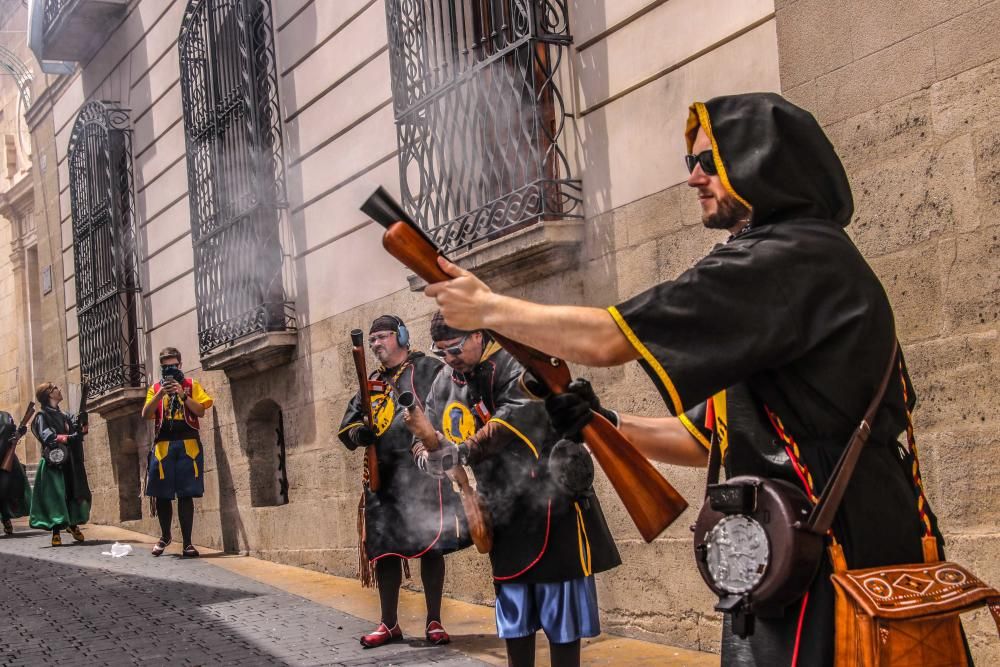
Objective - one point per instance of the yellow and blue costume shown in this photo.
(177, 462)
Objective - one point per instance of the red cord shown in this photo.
(798, 632)
(429, 546)
(548, 523)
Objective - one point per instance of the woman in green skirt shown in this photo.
(15, 494)
(61, 497)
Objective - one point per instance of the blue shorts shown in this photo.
(565, 610)
(176, 470)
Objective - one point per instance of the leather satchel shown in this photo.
(903, 615)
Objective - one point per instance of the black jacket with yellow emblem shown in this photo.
(539, 534)
(411, 514)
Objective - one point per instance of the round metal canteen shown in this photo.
(752, 542)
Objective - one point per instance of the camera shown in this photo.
(173, 373)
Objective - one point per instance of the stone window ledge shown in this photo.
(527, 255)
(252, 355)
(118, 402)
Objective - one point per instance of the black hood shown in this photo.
(774, 157)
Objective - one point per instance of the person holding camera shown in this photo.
(61, 496)
(176, 462)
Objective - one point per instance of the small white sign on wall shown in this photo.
(47, 279)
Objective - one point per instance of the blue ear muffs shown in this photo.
(402, 333)
(403, 336)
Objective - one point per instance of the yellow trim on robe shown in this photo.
(721, 423)
(518, 434)
(349, 427)
(586, 562)
(693, 430)
(160, 450)
(492, 348)
(192, 449)
(650, 359)
(705, 122)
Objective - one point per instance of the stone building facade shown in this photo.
(907, 91)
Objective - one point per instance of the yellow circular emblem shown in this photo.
(383, 409)
(457, 423)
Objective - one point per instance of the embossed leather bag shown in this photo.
(902, 615)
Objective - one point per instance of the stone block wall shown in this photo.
(909, 93)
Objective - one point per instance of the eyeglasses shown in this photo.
(705, 159)
(453, 350)
(379, 337)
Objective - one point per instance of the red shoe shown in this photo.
(382, 636)
(436, 635)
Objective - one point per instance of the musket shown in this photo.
(480, 525)
(82, 416)
(649, 499)
(364, 393)
(8, 458)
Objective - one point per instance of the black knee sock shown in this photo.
(432, 577)
(165, 513)
(389, 573)
(565, 655)
(521, 652)
(185, 514)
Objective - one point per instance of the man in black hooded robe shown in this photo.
(785, 323)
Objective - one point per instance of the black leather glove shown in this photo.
(573, 410)
(362, 436)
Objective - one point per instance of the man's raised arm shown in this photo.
(577, 334)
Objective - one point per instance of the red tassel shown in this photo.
(366, 571)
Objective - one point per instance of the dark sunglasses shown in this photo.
(454, 350)
(705, 159)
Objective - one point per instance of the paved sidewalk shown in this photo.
(224, 610)
(72, 606)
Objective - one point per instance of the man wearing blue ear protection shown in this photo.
(410, 515)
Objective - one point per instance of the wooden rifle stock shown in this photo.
(8, 458)
(649, 499)
(480, 524)
(364, 393)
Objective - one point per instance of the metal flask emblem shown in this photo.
(737, 553)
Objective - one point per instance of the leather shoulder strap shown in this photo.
(822, 515)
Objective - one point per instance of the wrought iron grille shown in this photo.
(104, 247)
(51, 12)
(479, 115)
(236, 181)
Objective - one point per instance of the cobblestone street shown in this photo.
(72, 606)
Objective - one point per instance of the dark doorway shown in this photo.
(266, 455)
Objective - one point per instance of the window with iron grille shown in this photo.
(104, 248)
(236, 182)
(479, 115)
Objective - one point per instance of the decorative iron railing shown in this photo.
(479, 115)
(236, 181)
(104, 247)
(51, 12)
